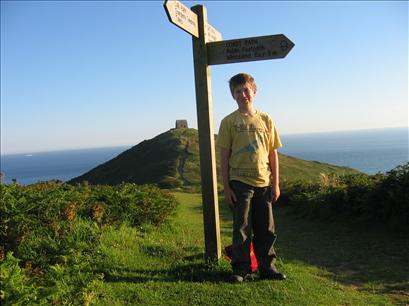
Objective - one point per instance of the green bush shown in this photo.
(170, 182)
(380, 197)
(50, 235)
(390, 198)
(16, 288)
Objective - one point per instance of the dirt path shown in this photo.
(181, 168)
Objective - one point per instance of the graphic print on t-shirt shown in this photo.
(251, 149)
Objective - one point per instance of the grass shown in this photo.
(294, 169)
(326, 264)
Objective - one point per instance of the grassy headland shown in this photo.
(171, 160)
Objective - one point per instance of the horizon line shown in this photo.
(131, 145)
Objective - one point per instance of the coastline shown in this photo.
(369, 151)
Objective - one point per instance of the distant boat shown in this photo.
(28, 155)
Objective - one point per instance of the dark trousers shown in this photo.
(252, 213)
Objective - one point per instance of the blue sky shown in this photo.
(77, 74)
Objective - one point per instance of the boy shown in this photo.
(248, 142)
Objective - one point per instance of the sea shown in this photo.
(369, 151)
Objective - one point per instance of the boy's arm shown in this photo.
(275, 173)
(224, 165)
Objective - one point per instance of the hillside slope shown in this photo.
(171, 160)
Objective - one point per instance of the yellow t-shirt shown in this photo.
(250, 140)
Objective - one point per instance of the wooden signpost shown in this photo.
(209, 49)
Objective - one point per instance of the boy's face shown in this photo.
(244, 95)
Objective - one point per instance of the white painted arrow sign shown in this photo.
(181, 16)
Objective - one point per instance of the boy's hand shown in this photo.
(275, 193)
(230, 197)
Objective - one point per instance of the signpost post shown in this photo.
(209, 49)
(206, 139)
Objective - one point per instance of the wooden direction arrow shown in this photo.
(248, 49)
(181, 16)
(212, 34)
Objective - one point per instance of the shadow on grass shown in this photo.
(365, 256)
(193, 272)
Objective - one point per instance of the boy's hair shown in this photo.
(241, 79)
